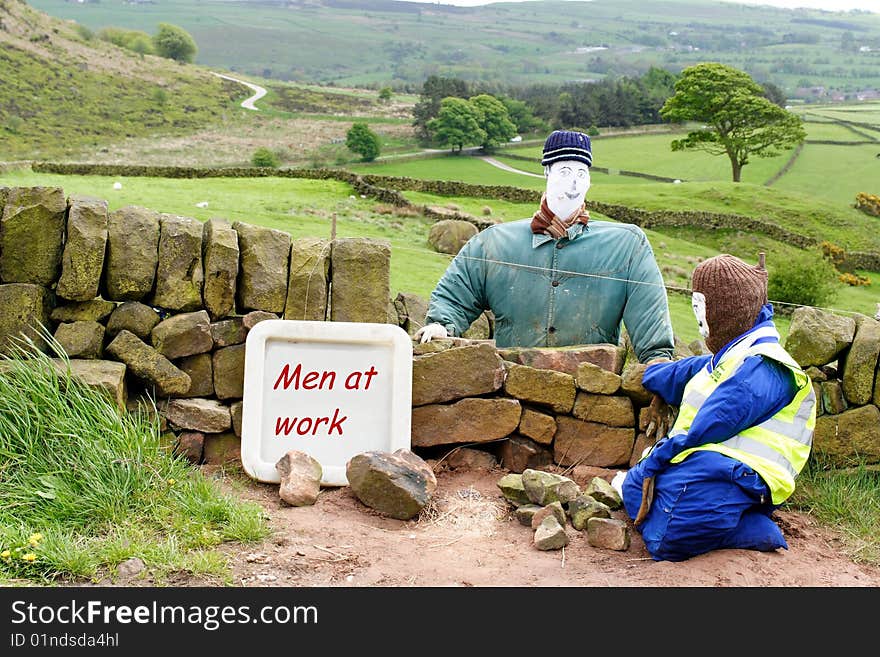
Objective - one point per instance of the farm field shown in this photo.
(462, 168)
(653, 154)
(835, 173)
(829, 130)
(299, 207)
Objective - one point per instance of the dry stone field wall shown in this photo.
(584, 406)
(146, 303)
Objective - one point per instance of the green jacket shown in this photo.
(552, 293)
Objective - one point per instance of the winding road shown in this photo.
(259, 92)
(248, 103)
(501, 165)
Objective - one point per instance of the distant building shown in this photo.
(868, 94)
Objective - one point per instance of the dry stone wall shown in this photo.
(146, 303)
(585, 405)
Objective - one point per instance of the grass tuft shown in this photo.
(84, 487)
(846, 500)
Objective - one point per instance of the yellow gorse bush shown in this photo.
(868, 203)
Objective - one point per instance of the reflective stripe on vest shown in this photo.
(777, 448)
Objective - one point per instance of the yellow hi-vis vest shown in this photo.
(778, 448)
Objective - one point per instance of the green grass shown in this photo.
(831, 132)
(50, 108)
(653, 154)
(462, 168)
(84, 487)
(835, 173)
(596, 177)
(303, 208)
(847, 500)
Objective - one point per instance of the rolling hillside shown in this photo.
(63, 89)
(66, 94)
(401, 43)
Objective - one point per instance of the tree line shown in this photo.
(619, 102)
(739, 118)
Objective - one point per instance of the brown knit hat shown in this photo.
(734, 291)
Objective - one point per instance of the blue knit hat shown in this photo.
(567, 145)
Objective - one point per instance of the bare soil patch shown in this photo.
(468, 536)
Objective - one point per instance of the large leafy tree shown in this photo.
(457, 124)
(521, 115)
(363, 141)
(175, 43)
(434, 90)
(737, 120)
(495, 120)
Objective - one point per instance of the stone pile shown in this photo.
(548, 503)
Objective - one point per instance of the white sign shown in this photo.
(330, 389)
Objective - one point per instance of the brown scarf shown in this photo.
(546, 223)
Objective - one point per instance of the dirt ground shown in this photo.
(468, 536)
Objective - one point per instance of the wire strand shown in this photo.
(540, 269)
(674, 288)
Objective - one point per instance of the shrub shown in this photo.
(14, 123)
(85, 33)
(263, 157)
(141, 44)
(593, 131)
(854, 280)
(806, 279)
(174, 43)
(134, 40)
(363, 141)
(868, 203)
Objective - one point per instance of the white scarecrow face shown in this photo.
(698, 302)
(567, 185)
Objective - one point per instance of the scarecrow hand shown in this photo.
(430, 332)
(660, 416)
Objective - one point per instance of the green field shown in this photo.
(454, 167)
(830, 131)
(835, 173)
(653, 154)
(299, 207)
